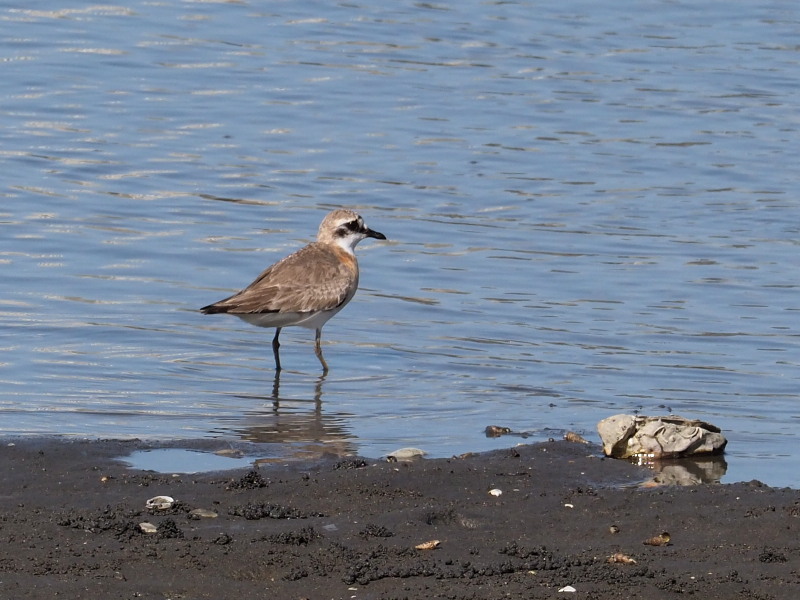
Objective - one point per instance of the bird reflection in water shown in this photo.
(307, 435)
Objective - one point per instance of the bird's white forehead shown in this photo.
(337, 217)
(344, 220)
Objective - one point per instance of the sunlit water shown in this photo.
(591, 209)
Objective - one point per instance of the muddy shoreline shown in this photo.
(348, 528)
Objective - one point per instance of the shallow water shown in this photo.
(590, 210)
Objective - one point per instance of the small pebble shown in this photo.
(496, 431)
(571, 436)
(433, 544)
(619, 557)
(230, 452)
(148, 527)
(662, 539)
(405, 454)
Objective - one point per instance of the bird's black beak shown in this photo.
(374, 234)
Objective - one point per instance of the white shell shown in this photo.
(160, 502)
(496, 492)
(567, 588)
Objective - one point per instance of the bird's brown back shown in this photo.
(316, 277)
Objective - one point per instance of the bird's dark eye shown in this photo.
(350, 227)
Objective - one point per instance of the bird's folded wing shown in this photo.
(311, 279)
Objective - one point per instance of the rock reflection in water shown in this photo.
(685, 471)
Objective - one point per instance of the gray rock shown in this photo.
(660, 437)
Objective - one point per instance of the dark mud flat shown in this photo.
(69, 518)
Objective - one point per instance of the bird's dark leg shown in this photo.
(276, 389)
(318, 350)
(275, 346)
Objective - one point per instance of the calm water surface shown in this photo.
(591, 209)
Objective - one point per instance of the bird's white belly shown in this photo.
(309, 320)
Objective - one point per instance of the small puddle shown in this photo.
(181, 460)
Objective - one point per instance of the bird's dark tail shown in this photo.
(213, 309)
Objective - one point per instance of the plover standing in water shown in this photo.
(306, 288)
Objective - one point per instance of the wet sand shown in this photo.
(347, 528)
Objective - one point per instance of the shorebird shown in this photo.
(306, 288)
